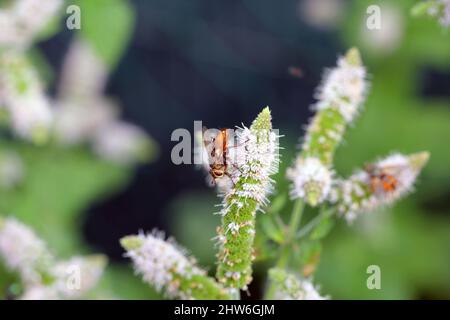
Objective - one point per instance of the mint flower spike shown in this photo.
(165, 266)
(89, 269)
(22, 20)
(339, 97)
(72, 279)
(382, 183)
(23, 252)
(256, 159)
(23, 98)
(42, 276)
(291, 287)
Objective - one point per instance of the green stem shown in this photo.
(296, 218)
(283, 259)
(280, 223)
(313, 223)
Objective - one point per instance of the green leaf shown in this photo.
(277, 204)
(308, 256)
(9, 283)
(309, 249)
(59, 184)
(270, 229)
(264, 249)
(322, 228)
(107, 25)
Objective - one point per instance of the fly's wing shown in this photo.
(213, 142)
(393, 170)
(218, 151)
(208, 146)
(377, 170)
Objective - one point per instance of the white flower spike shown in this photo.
(291, 287)
(22, 94)
(24, 252)
(78, 275)
(22, 20)
(339, 97)
(256, 159)
(381, 183)
(311, 180)
(43, 277)
(165, 266)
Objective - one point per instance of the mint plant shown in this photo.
(42, 276)
(166, 266)
(81, 114)
(315, 186)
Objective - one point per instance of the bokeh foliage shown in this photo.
(60, 183)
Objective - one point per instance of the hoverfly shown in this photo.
(217, 148)
(383, 180)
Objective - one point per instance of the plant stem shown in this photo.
(283, 259)
(280, 223)
(296, 218)
(325, 212)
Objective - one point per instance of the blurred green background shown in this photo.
(221, 63)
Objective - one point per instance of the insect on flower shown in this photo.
(383, 180)
(217, 148)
